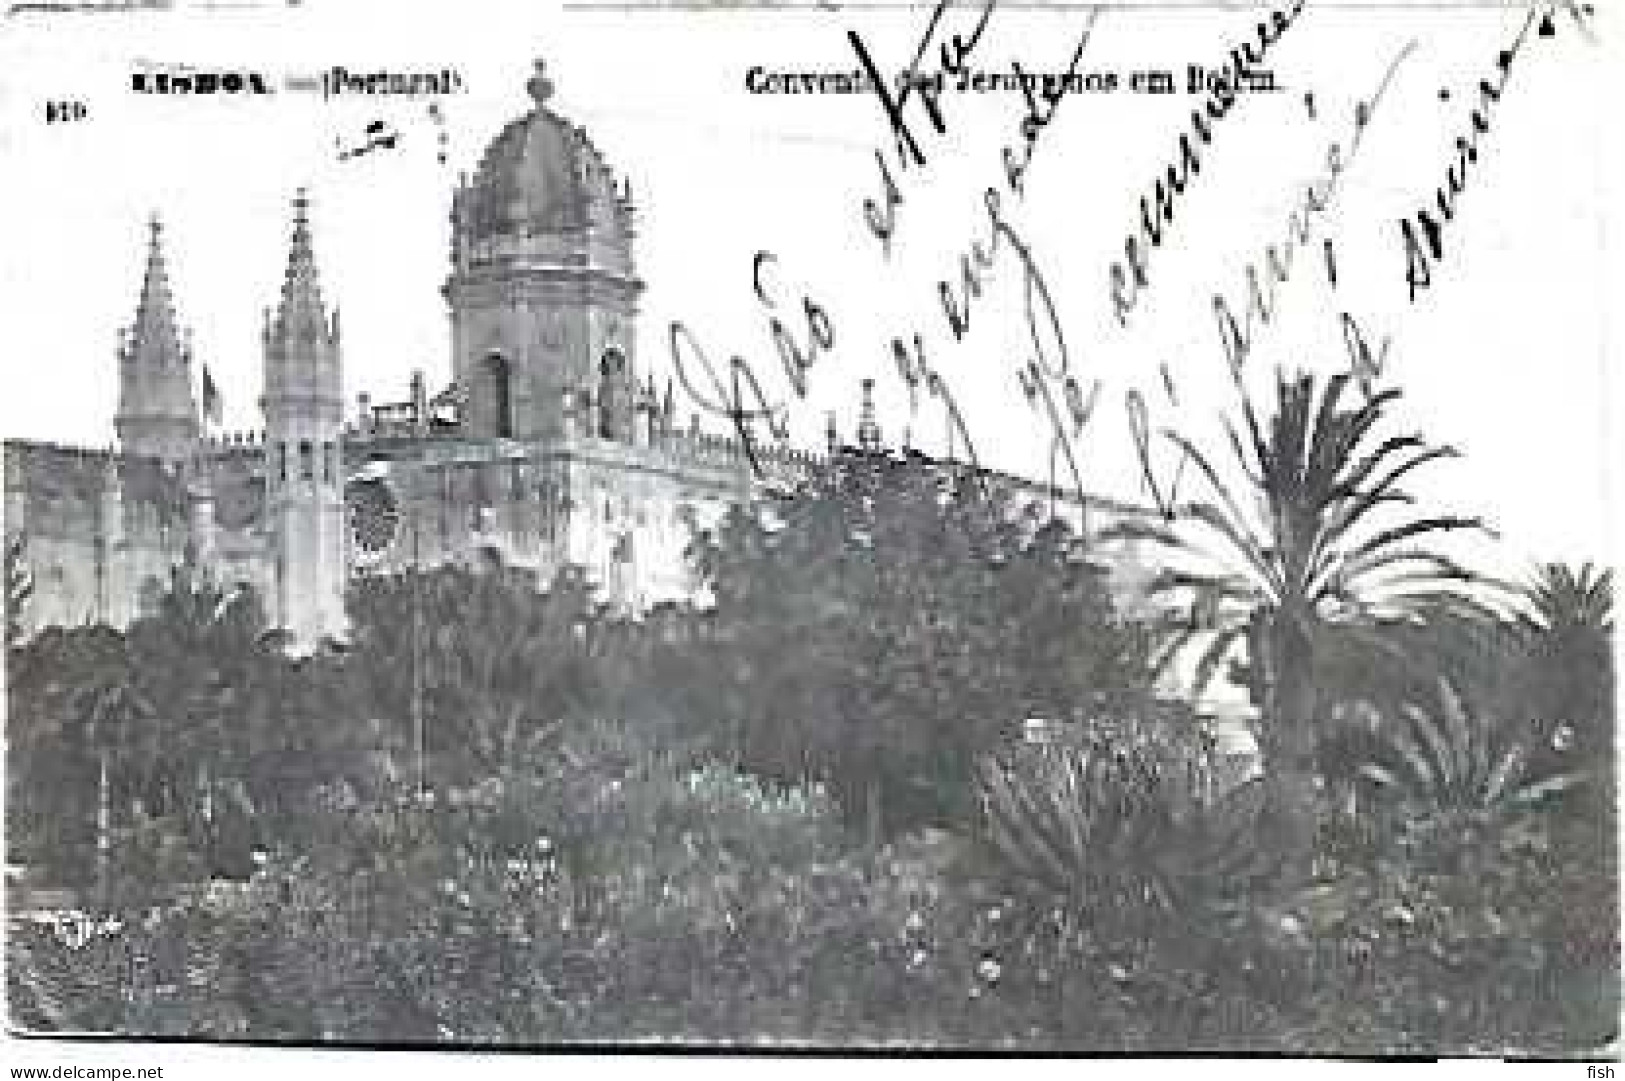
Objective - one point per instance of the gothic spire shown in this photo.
(301, 343)
(155, 337)
(157, 414)
(868, 425)
(301, 315)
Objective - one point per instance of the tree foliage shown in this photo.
(882, 624)
(633, 828)
(1545, 675)
(1307, 539)
(1565, 680)
(499, 661)
(206, 728)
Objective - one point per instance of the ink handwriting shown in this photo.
(1129, 278)
(1319, 197)
(952, 57)
(726, 396)
(739, 395)
(1367, 369)
(795, 357)
(1038, 119)
(1046, 377)
(915, 370)
(1238, 338)
(1423, 243)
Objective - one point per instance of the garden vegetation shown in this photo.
(913, 776)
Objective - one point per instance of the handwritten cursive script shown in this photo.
(1319, 197)
(1130, 277)
(1046, 377)
(736, 392)
(1423, 243)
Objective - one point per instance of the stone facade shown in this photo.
(547, 449)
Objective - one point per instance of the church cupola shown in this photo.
(543, 291)
(157, 414)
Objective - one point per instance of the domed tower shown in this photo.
(542, 290)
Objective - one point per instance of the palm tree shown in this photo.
(1572, 607)
(511, 664)
(502, 662)
(1298, 552)
(215, 676)
(1582, 599)
(113, 714)
(87, 709)
(75, 729)
(1566, 680)
(1453, 761)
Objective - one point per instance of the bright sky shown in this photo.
(1505, 356)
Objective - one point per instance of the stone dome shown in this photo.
(539, 175)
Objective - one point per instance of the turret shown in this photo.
(303, 370)
(157, 414)
(869, 437)
(303, 405)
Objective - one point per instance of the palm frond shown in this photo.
(1134, 529)
(1359, 472)
(1356, 426)
(1459, 761)
(1105, 813)
(1211, 475)
(1248, 470)
(1356, 505)
(1403, 567)
(1443, 523)
(1563, 598)
(1243, 542)
(1223, 642)
(1329, 439)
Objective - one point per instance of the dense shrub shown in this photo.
(617, 893)
(614, 888)
(877, 627)
(691, 872)
(1117, 814)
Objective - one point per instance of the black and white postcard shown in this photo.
(981, 527)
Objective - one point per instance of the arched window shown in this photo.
(498, 380)
(307, 461)
(150, 595)
(613, 403)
